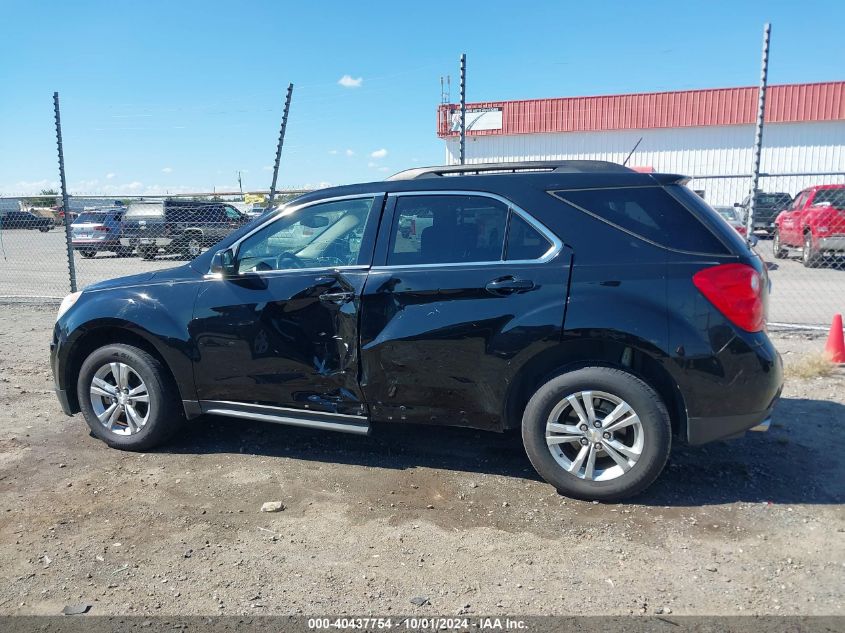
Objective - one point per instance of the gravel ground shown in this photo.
(450, 518)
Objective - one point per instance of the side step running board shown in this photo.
(358, 425)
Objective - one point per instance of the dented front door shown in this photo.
(285, 340)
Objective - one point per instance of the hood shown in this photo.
(178, 273)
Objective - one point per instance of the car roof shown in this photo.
(494, 178)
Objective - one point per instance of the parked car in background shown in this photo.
(605, 313)
(766, 209)
(733, 217)
(185, 227)
(25, 220)
(815, 223)
(98, 229)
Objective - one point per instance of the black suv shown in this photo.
(601, 311)
(177, 226)
(767, 207)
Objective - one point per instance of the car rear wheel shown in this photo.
(127, 398)
(779, 251)
(810, 256)
(148, 253)
(44, 229)
(88, 253)
(597, 433)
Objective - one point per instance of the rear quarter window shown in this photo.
(650, 213)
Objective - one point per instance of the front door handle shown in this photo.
(509, 285)
(336, 297)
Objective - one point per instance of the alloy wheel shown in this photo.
(595, 435)
(120, 399)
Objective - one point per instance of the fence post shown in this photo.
(758, 133)
(279, 146)
(71, 267)
(463, 108)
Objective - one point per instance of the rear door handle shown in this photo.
(336, 297)
(509, 285)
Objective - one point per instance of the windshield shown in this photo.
(92, 217)
(145, 210)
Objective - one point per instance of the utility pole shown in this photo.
(240, 185)
(279, 146)
(463, 154)
(758, 133)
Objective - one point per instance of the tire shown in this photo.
(193, 247)
(88, 253)
(163, 414)
(610, 482)
(809, 255)
(44, 229)
(779, 251)
(148, 253)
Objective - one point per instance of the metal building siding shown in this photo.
(690, 108)
(694, 150)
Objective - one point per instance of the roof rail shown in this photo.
(558, 166)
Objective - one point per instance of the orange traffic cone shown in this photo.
(835, 346)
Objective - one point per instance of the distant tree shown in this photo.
(47, 198)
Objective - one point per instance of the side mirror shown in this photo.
(753, 240)
(737, 204)
(223, 263)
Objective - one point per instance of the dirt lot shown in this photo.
(452, 516)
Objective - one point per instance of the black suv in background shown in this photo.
(767, 207)
(601, 311)
(177, 226)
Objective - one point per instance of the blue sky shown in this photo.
(180, 95)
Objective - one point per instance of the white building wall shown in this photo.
(699, 151)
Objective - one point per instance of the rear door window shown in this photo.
(649, 213)
(447, 229)
(524, 241)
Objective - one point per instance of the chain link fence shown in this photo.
(108, 238)
(799, 224)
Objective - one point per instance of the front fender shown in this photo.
(158, 314)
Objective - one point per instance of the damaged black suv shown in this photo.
(605, 313)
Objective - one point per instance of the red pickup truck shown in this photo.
(815, 223)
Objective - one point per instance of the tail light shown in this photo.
(101, 228)
(736, 290)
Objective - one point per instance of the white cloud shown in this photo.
(384, 168)
(333, 152)
(109, 176)
(371, 164)
(379, 153)
(267, 168)
(167, 170)
(348, 81)
(134, 185)
(349, 152)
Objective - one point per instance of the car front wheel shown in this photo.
(597, 433)
(127, 398)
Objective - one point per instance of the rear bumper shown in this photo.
(94, 245)
(704, 430)
(145, 241)
(835, 243)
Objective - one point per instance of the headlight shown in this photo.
(67, 303)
